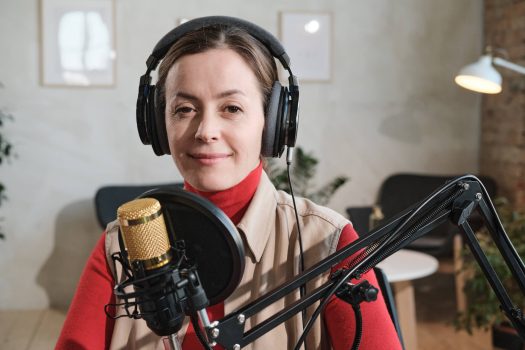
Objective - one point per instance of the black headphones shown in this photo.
(281, 118)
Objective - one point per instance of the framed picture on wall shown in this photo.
(307, 38)
(77, 43)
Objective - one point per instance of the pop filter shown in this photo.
(211, 239)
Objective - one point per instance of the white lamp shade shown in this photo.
(480, 76)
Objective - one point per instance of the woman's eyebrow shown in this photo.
(229, 93)
(185, 95)
(219, 95)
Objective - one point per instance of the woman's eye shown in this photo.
(233, 109)
(183, 110)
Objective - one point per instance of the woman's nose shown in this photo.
(208, 129)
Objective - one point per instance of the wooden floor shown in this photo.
(435, 303)
(436, 310)
(30, 329)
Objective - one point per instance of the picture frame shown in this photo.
(77, 43)
(307, 38)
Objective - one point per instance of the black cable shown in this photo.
(302, 288)
(321, 307)
(358, 327)
(440, 210)
(416, 226)
(299, 235)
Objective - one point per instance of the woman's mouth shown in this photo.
(209, 158)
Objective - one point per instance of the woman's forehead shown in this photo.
(217, 70)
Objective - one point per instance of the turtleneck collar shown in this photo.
(234, 200)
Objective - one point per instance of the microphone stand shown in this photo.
(456, 200)
(171, 342)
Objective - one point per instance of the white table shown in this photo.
(401, 268)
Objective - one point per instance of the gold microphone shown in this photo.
(149, 253)
(144, 233)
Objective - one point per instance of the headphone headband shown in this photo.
(162, 47)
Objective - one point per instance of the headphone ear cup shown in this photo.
(160, 124)
(142, 114)
(155, 124)
(150, 120)
(149, 109)
(272, 125)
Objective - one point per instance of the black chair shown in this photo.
(400, 191)
(360, 218)
(388, 295)
(109, 198)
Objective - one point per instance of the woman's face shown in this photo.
(214, 118)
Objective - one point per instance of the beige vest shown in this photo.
(269, 233)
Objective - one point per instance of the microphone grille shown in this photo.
(144, 232)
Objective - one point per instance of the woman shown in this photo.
(215, 83)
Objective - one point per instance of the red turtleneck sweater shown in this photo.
(87, 327)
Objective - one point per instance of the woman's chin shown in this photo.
(216, 178)
(213, 184)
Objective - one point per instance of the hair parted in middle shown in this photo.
(254, 53)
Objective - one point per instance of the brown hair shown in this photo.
(254, 53)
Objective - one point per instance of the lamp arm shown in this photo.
(509, 65)
(456, 200)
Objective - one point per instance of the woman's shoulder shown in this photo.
(309, 210)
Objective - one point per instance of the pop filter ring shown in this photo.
(175, 204)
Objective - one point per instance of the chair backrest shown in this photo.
(360, 218)
(109, 198)
(400, 191)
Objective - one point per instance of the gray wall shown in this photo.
(391, 106)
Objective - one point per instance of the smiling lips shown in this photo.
(209, 158)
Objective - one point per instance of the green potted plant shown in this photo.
(483, 307)
(302, 171)
(6, 153)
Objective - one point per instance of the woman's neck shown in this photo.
(234, 200)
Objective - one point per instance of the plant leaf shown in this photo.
(303, 169)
